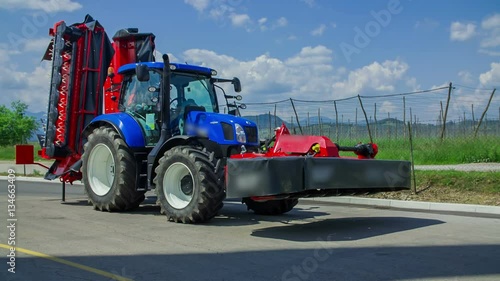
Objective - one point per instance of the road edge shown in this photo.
(367, 202)
(410, 205)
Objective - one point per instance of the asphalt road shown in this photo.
(71, 241)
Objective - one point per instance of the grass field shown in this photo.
(9, 152)
(481, 188)
(426, 151)
(449, 151)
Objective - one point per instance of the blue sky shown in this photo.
(305, 49)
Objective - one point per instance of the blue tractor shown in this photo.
(157, 125)
(167, 134)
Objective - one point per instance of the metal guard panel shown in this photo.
(127, 127)
(339, 173)
(264, 176)
(301, 175)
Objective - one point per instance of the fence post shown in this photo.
(356, 124)
(296, 117)
(484, 113)
(465, 126)
(376, 123)
(319, 121)
(275, 125)
(337, 121)
(404, 117)
(414, 189)
(308, 125)
(270, 126)
(473, 118)
(366, 118)
(446, 112)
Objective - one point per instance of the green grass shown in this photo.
(9, 152)
(481, 182)
(433, 151)
(426, 151)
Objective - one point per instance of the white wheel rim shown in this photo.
(101, 169)
(172, 188)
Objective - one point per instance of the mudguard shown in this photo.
(128, 128)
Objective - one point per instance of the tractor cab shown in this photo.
(192, 88)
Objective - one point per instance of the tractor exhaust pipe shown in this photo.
(166, 131)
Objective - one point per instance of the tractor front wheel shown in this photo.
(271, 207)
(109, 172)
(186, 185)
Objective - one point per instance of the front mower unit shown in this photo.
(296, 176)
(310, 166)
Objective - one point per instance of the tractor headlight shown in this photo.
(240, 134)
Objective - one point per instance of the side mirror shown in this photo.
(237, 84)
(142, 72)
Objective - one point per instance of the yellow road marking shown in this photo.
(70, 263)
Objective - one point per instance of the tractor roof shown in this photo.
(173, 66)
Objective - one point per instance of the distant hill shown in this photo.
(38, 117)
(313, 120)
(263, 120)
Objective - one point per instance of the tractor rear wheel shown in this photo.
(109, 171)
(271, 207)
(187, 187)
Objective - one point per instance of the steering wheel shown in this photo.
(175, 99)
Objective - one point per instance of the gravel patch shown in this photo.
(479, 167)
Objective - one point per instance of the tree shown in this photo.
(15, 127)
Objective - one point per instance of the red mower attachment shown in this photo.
(294, 166)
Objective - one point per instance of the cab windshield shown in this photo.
(194, 90)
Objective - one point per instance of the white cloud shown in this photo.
(292, 37)
(376, 76)
(493, 40)
(262, 24)
(466, 77)
(489, 52)
(31, 87)
(239, 20)
(281, 22)
(6, 52)
(491, 22)
(38, 45)
(387, 107)
(462, 31)
(492, 76)
(311, 56)
(265, 78)
(319, 30)
(413, 84)
(199, 5)
(309, 3)
(426, 23)
(48, 6)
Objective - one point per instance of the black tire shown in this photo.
(122, 194)
(271, 207)
(205, 192)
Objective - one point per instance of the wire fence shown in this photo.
(452, 111)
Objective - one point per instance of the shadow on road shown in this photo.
(344, 229)
(234, 213)
(321, 262)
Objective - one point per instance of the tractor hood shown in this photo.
(221, 128)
